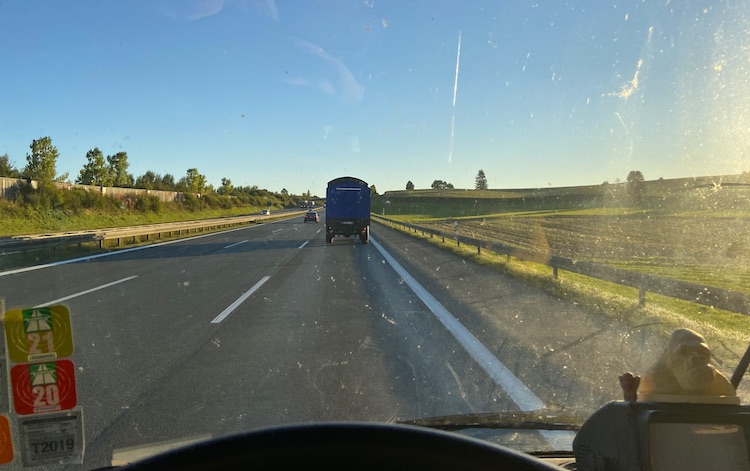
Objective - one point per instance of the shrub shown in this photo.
(190, 202)
(210, 200)
(148, 203)
(45, 196)
(77, 199)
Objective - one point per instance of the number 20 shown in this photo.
(48, 395)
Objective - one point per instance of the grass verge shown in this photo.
(617, 302)
(41, 222)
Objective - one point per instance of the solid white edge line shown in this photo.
(240, 300)
(518, 392)
(303, 245)
(81, 293)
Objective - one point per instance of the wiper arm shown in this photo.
(741, 369)
(534, 420)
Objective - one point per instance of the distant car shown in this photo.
(265, 212)
(311, 216)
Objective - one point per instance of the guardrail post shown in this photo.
(554, 272)
(479, 250)
(641, 296)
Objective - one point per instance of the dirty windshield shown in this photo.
(516, 203)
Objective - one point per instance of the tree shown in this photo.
(636, 187)
(118, 170)
(95, 171)
(41, 162)
(373, 190)
(7, 168)
(193, 182)
(441, 185)
(409, 185)
(168, 183)
(226, 187)
(148, 181)
(480, 183)
(284, 191)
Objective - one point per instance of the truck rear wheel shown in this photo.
(365, 235)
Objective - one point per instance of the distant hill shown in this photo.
(726, 192)
(655, 186)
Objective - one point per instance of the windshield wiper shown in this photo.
(533, 420)
(741, 369)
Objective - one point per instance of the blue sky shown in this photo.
(290, 94)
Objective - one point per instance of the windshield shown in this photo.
(236, 214)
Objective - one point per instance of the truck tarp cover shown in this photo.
(348, 198)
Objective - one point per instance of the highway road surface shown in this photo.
(268, 325)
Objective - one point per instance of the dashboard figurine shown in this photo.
(629, 384)
(684, 373)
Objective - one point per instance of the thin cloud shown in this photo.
(198, 9)
(204, 8)
(347, 88)
(327, 87)
(265, 8)
(297, 81)
(271, 10)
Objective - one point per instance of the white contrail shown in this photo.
(458, 61)
(455, 90)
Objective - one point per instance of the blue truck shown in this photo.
(348, 209)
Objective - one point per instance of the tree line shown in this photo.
(480, 183)
(112, 171)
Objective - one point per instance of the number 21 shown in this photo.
(35, 338)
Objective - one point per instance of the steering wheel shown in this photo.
(347, 445)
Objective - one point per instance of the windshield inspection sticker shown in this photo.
(43, 387)
(38, 334)
(52, 438)
(6, 441)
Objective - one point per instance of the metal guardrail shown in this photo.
(705, 295)
(39, 241)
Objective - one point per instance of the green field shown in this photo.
(686, 229)
(726, 195)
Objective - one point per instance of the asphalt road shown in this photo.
(267, 325)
